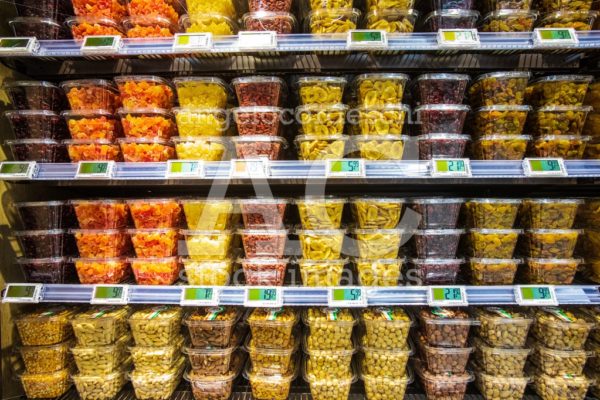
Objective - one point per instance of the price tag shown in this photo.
(110, 294)
(535, 295)
(101, 44)
(366, 39)
(251, 168)
(345, 168)
(18, 170)
(257, 40)
(19, 45)
(458, 38)
(544, 167)
(548, 37)
(349, 296)
(450, 167)
(200, 296)
(193, 41)
(95, 170)
(185, 169)
(447, 296)
(265, 297)
(23, 293)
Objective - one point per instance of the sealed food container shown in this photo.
(451, 19)
(264, 271)
(157, 358)
(45, 359)
(207, 244)
(101, 243)
(258, 120)
(332, 20)
(97, 360)
(451, 4)
(593, 348)
(551, 271)
(549, 213)
(146, 150)
(443, 386)
(319, 4)
(100, 325)
(271, 361)
(379, 147)
(508, 21)
(503, 387)
(259, 213)
(269, 5)
(441, 118)
(272, 327)
(592, 150)
(92, 150)
(503, 327)
(259, 146)
(48, 9)
(567, 147)
(46, 385)
(143, 91)
(47, 270)
(155, 213)
(219, 387)
(440, 88)
(44, 243)
(201, 148)
(378, 89)
(91, 95)
(377, 213)
(223, 7)
(392, 21)
(440, 243)
(550, 243)
(164, 8)
(321, 272)
(35, 95)
(41, 28)
(382, 120)
(443, 360)
(589, 213)
(445, 327)
(205, 214)
(270, 386)
(557, 120)
(330, 328)
(441, 145)
(320, 212)
(559, 362)
(216, 24)
(45, 326)
(500, 147)
(196, 122)
(578, 20)
(39, 215)
(262, 91)
(155, 326)
(385, 327)
(40, 150)
(154, 242)
(92, 125)
(387, 4)
(385, 363)
(493, 271)
(210, 361)
(321, 244)
(499, 361)
(101, 213)
(153, 385)
(92, 26)
(492, 213)
(436, 270)
(329, 364)
(322, 120)
(493, 243)
(36, 124)
(278, 21)
(212, 326)
(561, 387)
(149, 26)
(590, 241)
(147, 123)
(201, 92)
(502, 120)
(207, 272)
(99, 386)
(564, 5)
(499, 88)
(562, 329)
(321, 89)
(323, 386)
(377, 387)
(379, 243)
(155, 270)
(558, 90)
(312, 147)
(94, 8)
(440, 213)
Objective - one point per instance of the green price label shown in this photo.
(345, 166)
(556, 34)
(108, 292)
(450, 166)
(183, 167)
(262, 294)
(183, 40)
(536, 293)
(93, 168)
(544, 165)
(99, 41)
(198, 294)
(362, 36)
(20, 291)
(13, 43)
(347, 294)
(14, 168)
(458, 36)
(447, 294)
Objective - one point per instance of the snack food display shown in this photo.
(259, 146)
(321, 244)
(440, 213)
(551, 271)
(114, 9)
(101, 243)
(508, 21)
(441, 145)
(155, 213)
(157, 358)
(330, 328)
(143, 91)
(157, 386)
(557, 120)
(441, 118)
(155, 326)
(92, 150)
(565, 386)
(196, 122)
(321, 272)
(91, 94)
(445, 327)
(443, 360)
(258, 120)
(155, 270)
(36, 124)
(272, 328)
(46, 385)
(216, 24)
(578, 20)
(146, 150)
(45, 359)
(498, 361)
(44, 243)
(280, 22)
(47, 270)
(501, 387)
(443, 386)
(436, 270)
(377, 213)
(559, 362)
(270, 386)
(262, 91)
(92, 125)
(558, 90)
(385, 363)
(201, 92)
(392, 21)
(269, 271)
(450, 19)
(45, 326)
(147, 123)
(501, 147)
(99, 360)
(499, 88)
(502, 120)
(267, 213)
(440, 88)
(385, 388)
(383, 120)
(492, 271)
(493, 243)
(41, 28)
(568, 147)
(271, 361)
(207, 272)
(201, 148)
(329, 364)
(207, 244)
(379, 147)
(320, 212)
(321, 147)
(332, 20)
(385, 327)
(320, 89)
(378, 243)
(549, 213)
(220, 387)
(550, 243)
(440, 243)
(92, 26)
(561, 329)
(212, 326)
(492, 213)
(503, 327)
(208, 214)
(100, 325)
(379, 89)
(39, 150)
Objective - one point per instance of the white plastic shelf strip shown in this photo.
(309, 296)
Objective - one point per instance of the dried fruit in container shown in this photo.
(500, 120)
(260, 90)
(114, 9)
(40, 150)
(441, 118)
(198, 122)
(147, 123)
(41, 28)
(379, 272)
(146, 26)
(321, 272)
(220, 7)
(578, 20)
(92, 125)
(102, 270)
(36, 124)
(499, 88)
(207, 272)
(259, 146)
(381, 120)
(208, 244)
(509, 21)
(450, 19)
(320, 89)
(392, 21)
(270, 5)
(35, 95)
(201, 92)
(441, 88)
(216, 24)
(377, 89)
(387, 4)
(92, 150)
(155, 271)
(146, 150)
(569, 147)
(91, 95)
(93, 26)
(161, 8)
(321, 244)
(264, 271)
(280, 22)
(263, 212)
(321, 147)
(101, 243)
(155, 213)
(201, 148)
(442, 145)
(500, 147)
(333, 20)
(149, 243)
(258, 120)
(47, 270)
(557, 120)
(264, 242)
(558, 90)
(208, 214)
(380, 147)
(318, 120)
(142, 91)
(435, 212)
(320, 212)
(101, 213)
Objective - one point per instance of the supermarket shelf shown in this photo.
(309, 296)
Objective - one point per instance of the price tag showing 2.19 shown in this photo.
(177, 169)
(535, 295)
(200, 296)
(366, 39)
(18, 170)
(22, 293)
(95, 170)
(450, 167)
(350, 296)
(544, 167)
(345, 168)
(447, 296)
(110, 294)
(267, 297)
(458, 38)
(548, 37)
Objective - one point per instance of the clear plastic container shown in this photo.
(44, 243)
(333, 20)
(444, 360)
(321, 147)
(501, 147)
(487, 213)
(198, 122)
(216, 24)
(503, 387)
(112, 9)
(92, 125)
(91, 94)
(451, 4)
(441, 88)
(493, 243)
(506, 120)
(499, 361)
(558, 90)
(379, 243)
(578, 20)
(328, 364)
(280, 22)
(492, 271)
(201, 92)
(442, 145)
(98, 360)
(436, 270)
(92, 26)
(557, 120)
(223, 7)
(262, 91)
(379, 147)
(378, 89)
(436, 243)
(99, 386)
(143, 91)
(445, 327)
(101, 243)
(218, 387)
(101, 213)
(451, 19)
(41, 28)
(550, 243)
(549, 213)
(271, 361)
(157, 385)
(208, 244)
(208, 214)
(165, 8)
(36, 124)
(589, 213)
(47, 270)
(155, 326)
(567, 147)
(562, 5)
(441, 118)
(436, 213)
(324, 90)
(267, 5)
(385, 388)
(589, 242)
(201, 148)
(550, 271)
(322, 244)
(157, 358)
(503, 327)
(263, 213)
(35, 95)
(391, 21)
(508, 21)
(559, 362)
(562, 329)
(389, 4)
(443, 386)
(491, 5)
(320, 212)
(92, 150)
(207, 272)
(45, 9)
(321, 272)
(562, 387)
(330, 328)
(322, 120)
(385, 363)
(259, 146)
(257, 120)
(269, 386)
(147, 123)
(100, 325)
(210, 361)
(264, 271)
(45, 326)
(45, 386)
(499, 88)
(146, 150)
(212, 326)
(385, 327)
(382, 120)
(155, 213)
(155, 270)
(272, 328)
(377, 213)
(45, 359)
(324, 387)
(39, 150)
(39, 215)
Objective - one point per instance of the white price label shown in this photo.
(450, 167)
(349, 296)
(249, 168)
(106, 44)
(458, 38)
(19, 45)
(366, 39)
(95, 170)
(18, 170)
(193, 41)
(23, 293)
(544, 167)
(548, 37)
(257, 40)
(535, 295)
(265, 297)
(200, 296)
(447, 296)
(185, 169)
(345, 168)
(110, 294)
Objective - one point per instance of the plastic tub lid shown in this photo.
(555, 260)
(203, 201)
(35, 113)
(14, 84)
(503, 314)
(385, 107)
(92, 20)
(50, 260)
(271, 379)
(205, 232)
(264, 200)
(446, 316)
(436, 261)
(152, 259)
(243, 231)
(564, 108)
(330, 313)
(504, 75)
(97, 231)
(96, 201)
(320, 231)
(503, 108)
(133, 231)
(434, 200)
(442, 107)
(334, 80)
(186, 20)
(327, 261)
(390, 231)
(87, 114)
(561, 78)
(263, 260)
(200, 79)
(553, 201)
(495, 201)
(199, 110)
(268, 15)
(34, 20)
(257, 109)
(308, 138)
(392, 12)
(438, 231)
(146, 20)
(77, 83)
(88, 141)
(504, 137)
(443, 136)
(163, 142)
(496, 260)
(31, 141)
(322, 108)
(50, 203)
(568, 14)
(102, 259)
(40, 232)
(480, 343)
(258, 78)
(334, 12)
(553, 231)
(510, 13)
(487, 231)
(443, 76)
(122, 112)
(445, 351)
(200, 139)
(320, 199)
(249, 346)
(399, 200)
(259, 138)
(441, 379)
(564, 137)
(142, 78)
(453, 13)
(210, 379)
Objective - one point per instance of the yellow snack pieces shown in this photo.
(318, 4)
(381, 149)
(391, 23)
(377, 92)
(212, 25)
(317, 148)
(319, 121)
(379, 272)
(194, 123)
(208, 272)
(321, 245)
(320, 93)
(321, 272)
(208, 215)
(201, 94)
(378, 243)
(390, 4)
(209, 245)
(200, 149)
(223, 7)
(381, 121)
(332, 21)
(324, 214)
(376, 213)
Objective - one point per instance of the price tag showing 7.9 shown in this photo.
(110, 294)
(267, 297)
(200, 296)
(447, 296)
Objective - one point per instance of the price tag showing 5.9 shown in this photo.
(366, 39)
(345, 168)
(23, 293)
(535, 295)
(18, 170)
(200, 296)
(350, 296)
(447, 296)
(544, 167)
(458, 38)
(266, 297)
(110, 294)
(450, 167)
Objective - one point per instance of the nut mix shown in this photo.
(441, 88)
(45, 359)
(98, 360)
(210, 361)
(377, 213)
(499, 88)
(379, 89)
(321, 89)
(500, 147)
(501, 387)
(280, 22)
(217, 387)
(578, 20)
(45, 386)
(99, 387)
(569, 147)
(332, 20)
(270, 387)
(498, 361)
(271, 361)
(561, 329)
(100, 326)
(550, 243)
(269, 5)
(441, 360)
(551, 271)
(440, 243)
(212, 326)
(441, 118)
(45, 326)
(330, 328)
(152, 385)
(503, 327)
(320, 212)
(493, 243)
(321, 147)
(557, 120)
(509, 21)
(378, 243)
(381, 120)
(558, 362)
(500, 120)
(323, 244)
(379, 271)
(441, 145)
(390, 363)
(561, 387)
(156, 359)
(321, 272)
(439, 213)
(329, 388)
(385, 327)
(493, 271)
(435, 270)
(443, 386)
(272, 328)
(378, 147)
(445, 327)
(155, 326)
(324, 364)
(385, 388)
(264, 271)
(549, 213)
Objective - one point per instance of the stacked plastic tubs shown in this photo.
(157, 358)
(44, 21)
(592, 123)
(270, 15)
(566, 14)
(45, 334)
(500, 352)
(273, 364)
(36, 122)
(390, 16)
(101, 354)
(589, 219)
(329, 16)
(508, 16)
(216, 17)
(450, 14)
(44, 242)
